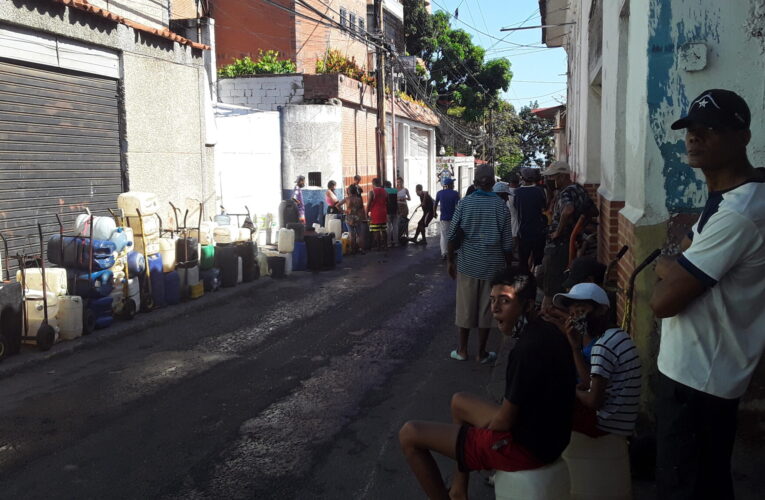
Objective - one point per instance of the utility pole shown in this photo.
(380, 131)
(393, 123)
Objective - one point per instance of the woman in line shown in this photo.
(334, 206)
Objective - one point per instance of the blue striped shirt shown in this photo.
(484, 220)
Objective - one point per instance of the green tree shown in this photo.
(535, 137)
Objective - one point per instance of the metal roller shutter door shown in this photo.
(59, 151)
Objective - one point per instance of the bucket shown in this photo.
(286, 241)
(276, 266)
(133, 201)
(69, 317)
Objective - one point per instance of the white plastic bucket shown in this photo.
(132, 201)
(69, 317)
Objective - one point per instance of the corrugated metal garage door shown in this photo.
(59, 150)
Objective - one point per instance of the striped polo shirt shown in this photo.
(483, 221)
(615, 358)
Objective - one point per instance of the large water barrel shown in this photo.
(288, 213)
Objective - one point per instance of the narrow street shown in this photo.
(295, 389)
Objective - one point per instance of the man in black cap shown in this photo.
(710, 298)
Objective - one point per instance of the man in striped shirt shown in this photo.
(609, 377)
(481, 236)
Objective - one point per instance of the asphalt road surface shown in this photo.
(295, 388)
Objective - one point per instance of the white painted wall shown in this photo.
(248, 160)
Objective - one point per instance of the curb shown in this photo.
(29, 357)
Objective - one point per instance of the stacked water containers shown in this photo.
(59, 308)
(126, 296)
(140, 209)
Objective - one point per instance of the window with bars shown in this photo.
(361, 25)
(352, 21)
(314, 179)
(343, 17)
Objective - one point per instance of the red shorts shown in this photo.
(476, 451)
(586, 421)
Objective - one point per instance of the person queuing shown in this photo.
(356, 218)
(571, 201)
(480, 246)
(428, 212)
(710, 298)
(530, 428)
(403, 205)
(530, 203)
(334, 206)
(297, 197)
(447, 198)
(392, 207)
(377, 210)
(606, 360)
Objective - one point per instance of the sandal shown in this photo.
(489, 358)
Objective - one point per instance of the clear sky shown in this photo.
(538, 73)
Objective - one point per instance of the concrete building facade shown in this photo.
(162, 142)
(634, 67)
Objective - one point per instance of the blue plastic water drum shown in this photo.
(211, 279)
(299, 257)
(136, 263)
(338, 252)
(97, 284)
(155, 263)
(101, 306)
(119, 238)
(158, 288)
(172, 288)
(104, 321)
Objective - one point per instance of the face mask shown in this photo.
(580, 323)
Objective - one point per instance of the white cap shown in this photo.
(582, 291)
(501, 187)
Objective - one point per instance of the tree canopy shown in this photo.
(459, 74)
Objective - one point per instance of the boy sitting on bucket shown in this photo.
(529, 429)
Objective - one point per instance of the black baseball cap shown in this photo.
(717, 108)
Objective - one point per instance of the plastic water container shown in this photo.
(276, 266)
(262, 262)
(196, 291)
(244, 234)
(158, 288)
(172, 288)
(226, 260)
(210, 278)
(148, 245)
(205, 234)
(136, 262)
(120, 239)
(225, 235)
(189, 277)
(222, 220)
(33, 302)
(103, 227)
(93, 285)
(329, 217)
(167, 251)
(104, 321)
(287, 263)
(134, 292)
(133, 201)
(335, 227)
(338, 252)
(206, 257)
(286, 241)
(55, 279)
(150, 225)
(69, 317)
(545, 483)
(101, 306)
(599, 467)
(345, 239)
(130, 236)
(154, 262)
(299, 257)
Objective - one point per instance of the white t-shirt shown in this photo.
(615, 358)
(715, 344)
(515, 220)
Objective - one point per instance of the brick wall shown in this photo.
(244, 28)
(608, 228)
(262, 92)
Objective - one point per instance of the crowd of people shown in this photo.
(572, 368)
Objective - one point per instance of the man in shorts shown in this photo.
(480, 245)
(531, 427)
(428, 212)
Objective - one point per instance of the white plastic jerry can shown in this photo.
(55, 280)
(69, 317)
(133, 201)
(286, 243)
